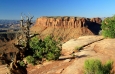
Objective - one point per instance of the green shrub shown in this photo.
(108, 27)
(96, 67)
(78, 48)
(22, 63)
(47, 48)
(30, 60)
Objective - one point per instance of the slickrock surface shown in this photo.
(70, 46)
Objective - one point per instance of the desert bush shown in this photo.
(22, 63)
(30, 60)
(47, 48)
(78, 48)
(108, 27)
(92, 66)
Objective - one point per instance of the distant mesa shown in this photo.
(92, 24)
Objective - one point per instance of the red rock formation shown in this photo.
(66, 27)
(96, 20)
(67, 22)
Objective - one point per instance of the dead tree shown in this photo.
(25, 50)
(13, 65)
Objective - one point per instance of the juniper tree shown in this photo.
(108, 27)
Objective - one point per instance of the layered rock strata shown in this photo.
(67, 22)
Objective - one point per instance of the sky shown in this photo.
(12, 9)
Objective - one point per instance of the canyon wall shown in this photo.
(66, 22)
(71, 27)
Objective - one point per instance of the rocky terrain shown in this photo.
(6, 42)
(63, 28)
(96, 48)
(73, 32)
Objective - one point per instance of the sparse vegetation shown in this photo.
(30, 60)
(22, 63)
(108, 27)
(94, 66)
(78, 48)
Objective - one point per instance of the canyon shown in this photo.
(61, 28)
(72, 32)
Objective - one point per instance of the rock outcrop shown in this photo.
(67, 27)
(66, 22)
(70, 46)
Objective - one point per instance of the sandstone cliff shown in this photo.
(66, 27)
